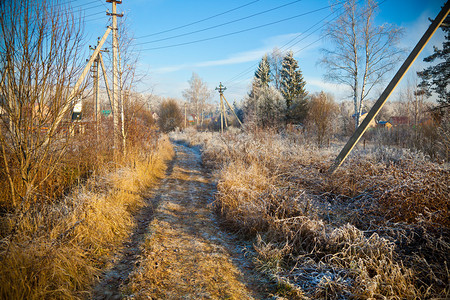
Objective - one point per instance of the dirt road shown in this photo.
(178, 249)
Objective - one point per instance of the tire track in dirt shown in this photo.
(178, 250)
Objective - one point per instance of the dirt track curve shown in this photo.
(178, 249)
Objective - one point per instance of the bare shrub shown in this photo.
(321, 112)
(40, 62)
(170, 116)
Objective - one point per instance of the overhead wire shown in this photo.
(249, 69)
(86, 8)
(57, 3)
(103, 3)
(222, 24)
(281, 48)
(239, 31)
(199, 21)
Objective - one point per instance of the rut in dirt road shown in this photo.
(184, 253)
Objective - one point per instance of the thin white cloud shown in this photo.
(238, 58)
(234, 59)
(415, 30)
(340, 91)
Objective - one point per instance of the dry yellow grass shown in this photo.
(333, 237)
(57, 250)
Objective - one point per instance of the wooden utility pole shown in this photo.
(122, 110)
(115, 83)
(390, 88)
(96, 91)
(96, 77)
(222, 88)
(108, 90)
(185, 116)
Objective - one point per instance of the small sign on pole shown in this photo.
(76, 112)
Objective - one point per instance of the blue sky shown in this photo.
(224, 55)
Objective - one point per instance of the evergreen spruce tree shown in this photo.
(260, 83)
(293, 89)
(437, 78)
(263, 72)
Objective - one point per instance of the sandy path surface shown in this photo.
(178, 250)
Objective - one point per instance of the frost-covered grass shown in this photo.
(377, 228)
(57, 250)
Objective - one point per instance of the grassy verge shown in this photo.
(376, 229)
(57, 250)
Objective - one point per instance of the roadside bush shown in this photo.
(170, 116)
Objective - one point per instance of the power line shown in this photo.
(68, 3)
(196, 22)
(93, 14)
(239, 31)
(220, 25)
(103, 4)
(247, 70)
(86, 8)
(59, 4)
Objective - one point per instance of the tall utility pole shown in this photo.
(96, 77)
(115, 83)
(96, 90)
(122, 111)
(222, 88)
(185, 116)
(108, 90)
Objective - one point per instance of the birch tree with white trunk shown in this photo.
(197, 95)
(361, 53)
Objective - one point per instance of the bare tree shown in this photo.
(363, 52)
(128, 60)
(275, 61)
(321, 112)
(40, 62)
(197, 95)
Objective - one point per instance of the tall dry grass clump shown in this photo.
(56, 251)
(378, 229)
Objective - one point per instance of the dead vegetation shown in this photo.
(377, 229)
(56, 250)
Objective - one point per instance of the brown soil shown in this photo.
(178, 249)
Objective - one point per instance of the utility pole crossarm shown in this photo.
(390, 88)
